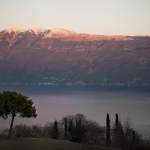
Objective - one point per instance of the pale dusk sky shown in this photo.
(107, 17)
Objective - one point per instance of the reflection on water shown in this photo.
(55, 102)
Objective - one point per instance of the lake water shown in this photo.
(55, 102)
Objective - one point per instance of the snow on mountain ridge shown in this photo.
(37, 30)
(56, 31)
(15, 30)
(63, 33)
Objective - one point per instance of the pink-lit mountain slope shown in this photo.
(58, 56)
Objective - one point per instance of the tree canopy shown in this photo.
(13, 103)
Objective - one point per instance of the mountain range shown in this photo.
(59, 56)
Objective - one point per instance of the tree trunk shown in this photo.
(11, 126)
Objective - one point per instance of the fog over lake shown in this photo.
(55, 102)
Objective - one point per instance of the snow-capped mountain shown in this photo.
(59, 56)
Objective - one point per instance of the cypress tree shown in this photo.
(55, 130)
(117, 121)
(117, 132)
(108, 140)
(71, 130)
(79, 131)
(66, 128)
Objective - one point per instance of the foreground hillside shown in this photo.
(42, 144)
(59, 56)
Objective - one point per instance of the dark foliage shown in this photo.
(108, 140)
(54, 132)
(13, 103)
(66, 129)
(89, 133)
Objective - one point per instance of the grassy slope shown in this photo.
(40, 144)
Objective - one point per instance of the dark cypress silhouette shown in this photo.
(71, 130)
(55, 130)
(108, 140)
(118, 131)
(79, 131)
(117, 121)
(66, 128)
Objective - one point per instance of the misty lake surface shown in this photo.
(55, 102)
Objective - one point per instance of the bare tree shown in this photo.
(47, 130)
(124, 135)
